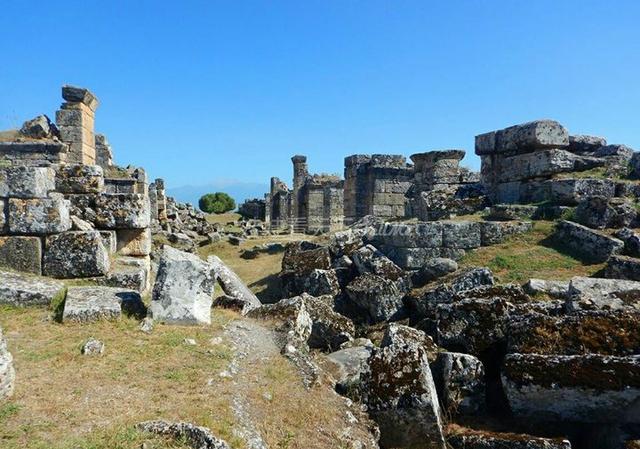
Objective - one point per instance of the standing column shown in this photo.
(300, 174)
(76, 121)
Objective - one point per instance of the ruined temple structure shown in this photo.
(66, 210)
(314, 204)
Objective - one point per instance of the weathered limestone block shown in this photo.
(433, 269)
(303, 257)
(603, 332)
(594, 245)
(39, 216)
(469, 439)
(414, 258)
(78, 178)
(122, 211)
(599, 212)
(194, 436)
(232, 285)
(543, 164)
(349, 365)
(460, 383)
(134, 242)
(584, 144)
(423, 301)
(37, 128)
(21, 253)
(420, 235)
(631, 241)
(494, 232)
(555, 289)
(104, 154)
(623, 267)
(509, 212)
(75, 94)
(19, 289)
(369, 260)
(461, 234)
(110, 241)
(400, 394)
(34, 153)
(607, 294)
(583, 388)
(87, 304)
(319, 283)
(183, 292)
(523, 138)
(126, 277)
(381, 298)
(329, 329)
(343, 243)
(75, 254)
(7, 371)
(571, 191)
(26, 182)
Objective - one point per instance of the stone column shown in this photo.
(300, 174)
(356, 187)
(161, 199)
(104, 153)
(76, 121)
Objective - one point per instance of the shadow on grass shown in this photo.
(556, 244)
(271, 289)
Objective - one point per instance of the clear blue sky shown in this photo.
(203, 91)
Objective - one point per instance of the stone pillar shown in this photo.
(300, 175)
(104, 153)
(333, 207)
(153, 200)
(161, 199)
(434, 168)
(76, 121)
(267, 210)
(356, 187)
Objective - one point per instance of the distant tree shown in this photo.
(216, 203)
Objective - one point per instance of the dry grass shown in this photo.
(531, 255)
(9, 135)
(66, 400)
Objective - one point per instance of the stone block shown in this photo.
(21, 253)
(461, 234)
(26, 182)
(88, 304)
(79, 179)
(39, 216)
(74, 94)
(469, 439)
(523, 138)
(122, 211)
(134, 242)
(75, 254)
(19, 289)
(420, 235)
(183, 292)
(127, 277)
(570, 192)
(583, 388)
(623, 267)
(508, 192)
(602, 294)
(110, 241)
(508, 212)
(233, 286)
(460, 383)
(34, 153)
(411, 258)
(591, 244)
(380, 298)
(494, 232)
(585, 144)
(538, 164)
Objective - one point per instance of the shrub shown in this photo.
(216, 203)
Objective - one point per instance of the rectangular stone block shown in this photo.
(461, 234)
(75, 254)
(537, 164)
(123, 211)
(420, 235)
(110, 241)
(507, 193)
(494, 232)
(411, 258)
(134, 242)
(26, 182)
(591, 244)
(69, 118)
(88, 304)
(20, 289)
(623, 267)
(79, 179)
(21, 253)
(523, 138)
(39, 216)
(571, 191)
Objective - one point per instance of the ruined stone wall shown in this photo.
(333, 207)
(253, 208)
(376, 185)
(278, 204)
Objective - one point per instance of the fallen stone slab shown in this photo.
(19, 289)
(75, 254)
(607, 294)
(623, 267)
(232, 285)
(349, 365)
(88, 304)
(7, 371)
(369, 260)
(433, 269)
(21, 253)
(477, 439)
(631, 241)
(399, 391)
(584, 143)
(555, 289)
(194, 436)
(461, 234)
(127, 277)
(609, 332)
(583, 388)
(39, 216)
(591, 244)
(380, 298)
(184, 287)
(303, 257)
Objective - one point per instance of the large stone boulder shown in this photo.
(599, 212)
(369, 260)
(38, 128)
(583, 388)
(434, 269)
(584, 144)
(184, 287)
(291, 317)
(631, 241)
(399, 391)
(523, 138)
(348, 366)
(602, 294)
(75, 254)
(623, 267)
(460, 383)
(18, 289)
(380, 298)
(232, 285)
(303, 257)
(7, 371)
(319, 283)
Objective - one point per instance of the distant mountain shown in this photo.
(238, 190)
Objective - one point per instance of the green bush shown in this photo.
(216, 203)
